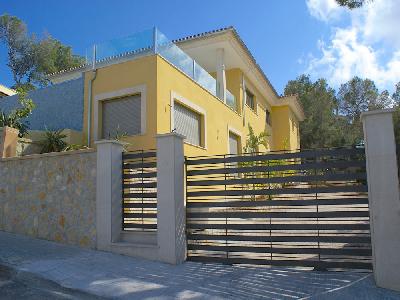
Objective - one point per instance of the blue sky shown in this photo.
(286, 37)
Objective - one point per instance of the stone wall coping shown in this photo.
(376, 112)
(100, 142)
(44, 155)
(10, 129)
(169, 134)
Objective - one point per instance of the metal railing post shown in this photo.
(155, 40)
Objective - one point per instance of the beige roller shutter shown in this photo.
(121, 116)
(233, 143)
(187, 123)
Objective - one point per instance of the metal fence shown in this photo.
(307, 208)
(139, 191)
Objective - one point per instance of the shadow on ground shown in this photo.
(22, 285)
(109, 275)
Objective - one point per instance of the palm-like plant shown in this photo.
(253, 141)
(53, 141)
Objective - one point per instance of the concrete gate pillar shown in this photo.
(383, 194)
(108, 193)
(171, 210)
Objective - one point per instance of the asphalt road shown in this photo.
(21, 285)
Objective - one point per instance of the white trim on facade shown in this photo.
(182, 100)
(140, 89)
(6, 91)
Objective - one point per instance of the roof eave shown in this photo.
(241, 42)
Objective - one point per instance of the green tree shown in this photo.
(13, 34)
(31, 59)
(356, 96)
(16, 118)
(320, 128)
(52, 56)
(396, 94)
(352, 3)
(396, 124)
(396, 115)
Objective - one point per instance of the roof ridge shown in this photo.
(193, 36)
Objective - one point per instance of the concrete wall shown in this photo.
(26, 146)
(58, 106)
(50, 196)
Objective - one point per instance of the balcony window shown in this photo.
(268, 117)
(250, 100)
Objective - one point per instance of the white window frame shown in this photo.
(115, 95)
(235, 132)
(197, 109)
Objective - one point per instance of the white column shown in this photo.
(108, 193)
(171, 211)
(383, 194)
(221, 79)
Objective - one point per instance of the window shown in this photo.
(188, 123)
(268, 117)
(250, 101)
(121, 116)
(233, 144)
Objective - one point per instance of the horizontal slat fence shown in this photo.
(139, 191)
(305, 208)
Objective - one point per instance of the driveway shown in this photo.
(22, 285)
(121, 277)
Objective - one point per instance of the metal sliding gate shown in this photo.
(307, 208)
(139, 175)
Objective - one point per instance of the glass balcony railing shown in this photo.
(230, 100)
(129, 45)
(154, 41)
(185, 63)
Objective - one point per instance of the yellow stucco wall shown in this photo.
(257, 118)
(285, 127)
(128, 74)
(218, 115)
(162, 80)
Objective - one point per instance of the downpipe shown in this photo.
(90, 87)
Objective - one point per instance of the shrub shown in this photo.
(15, 118)
(53, 141)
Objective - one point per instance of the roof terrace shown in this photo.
(152, 41)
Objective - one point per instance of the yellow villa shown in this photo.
(207, 87)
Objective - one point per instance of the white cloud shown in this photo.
(369, 47)
(324, 10)
(346, 57)
(380, 21)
